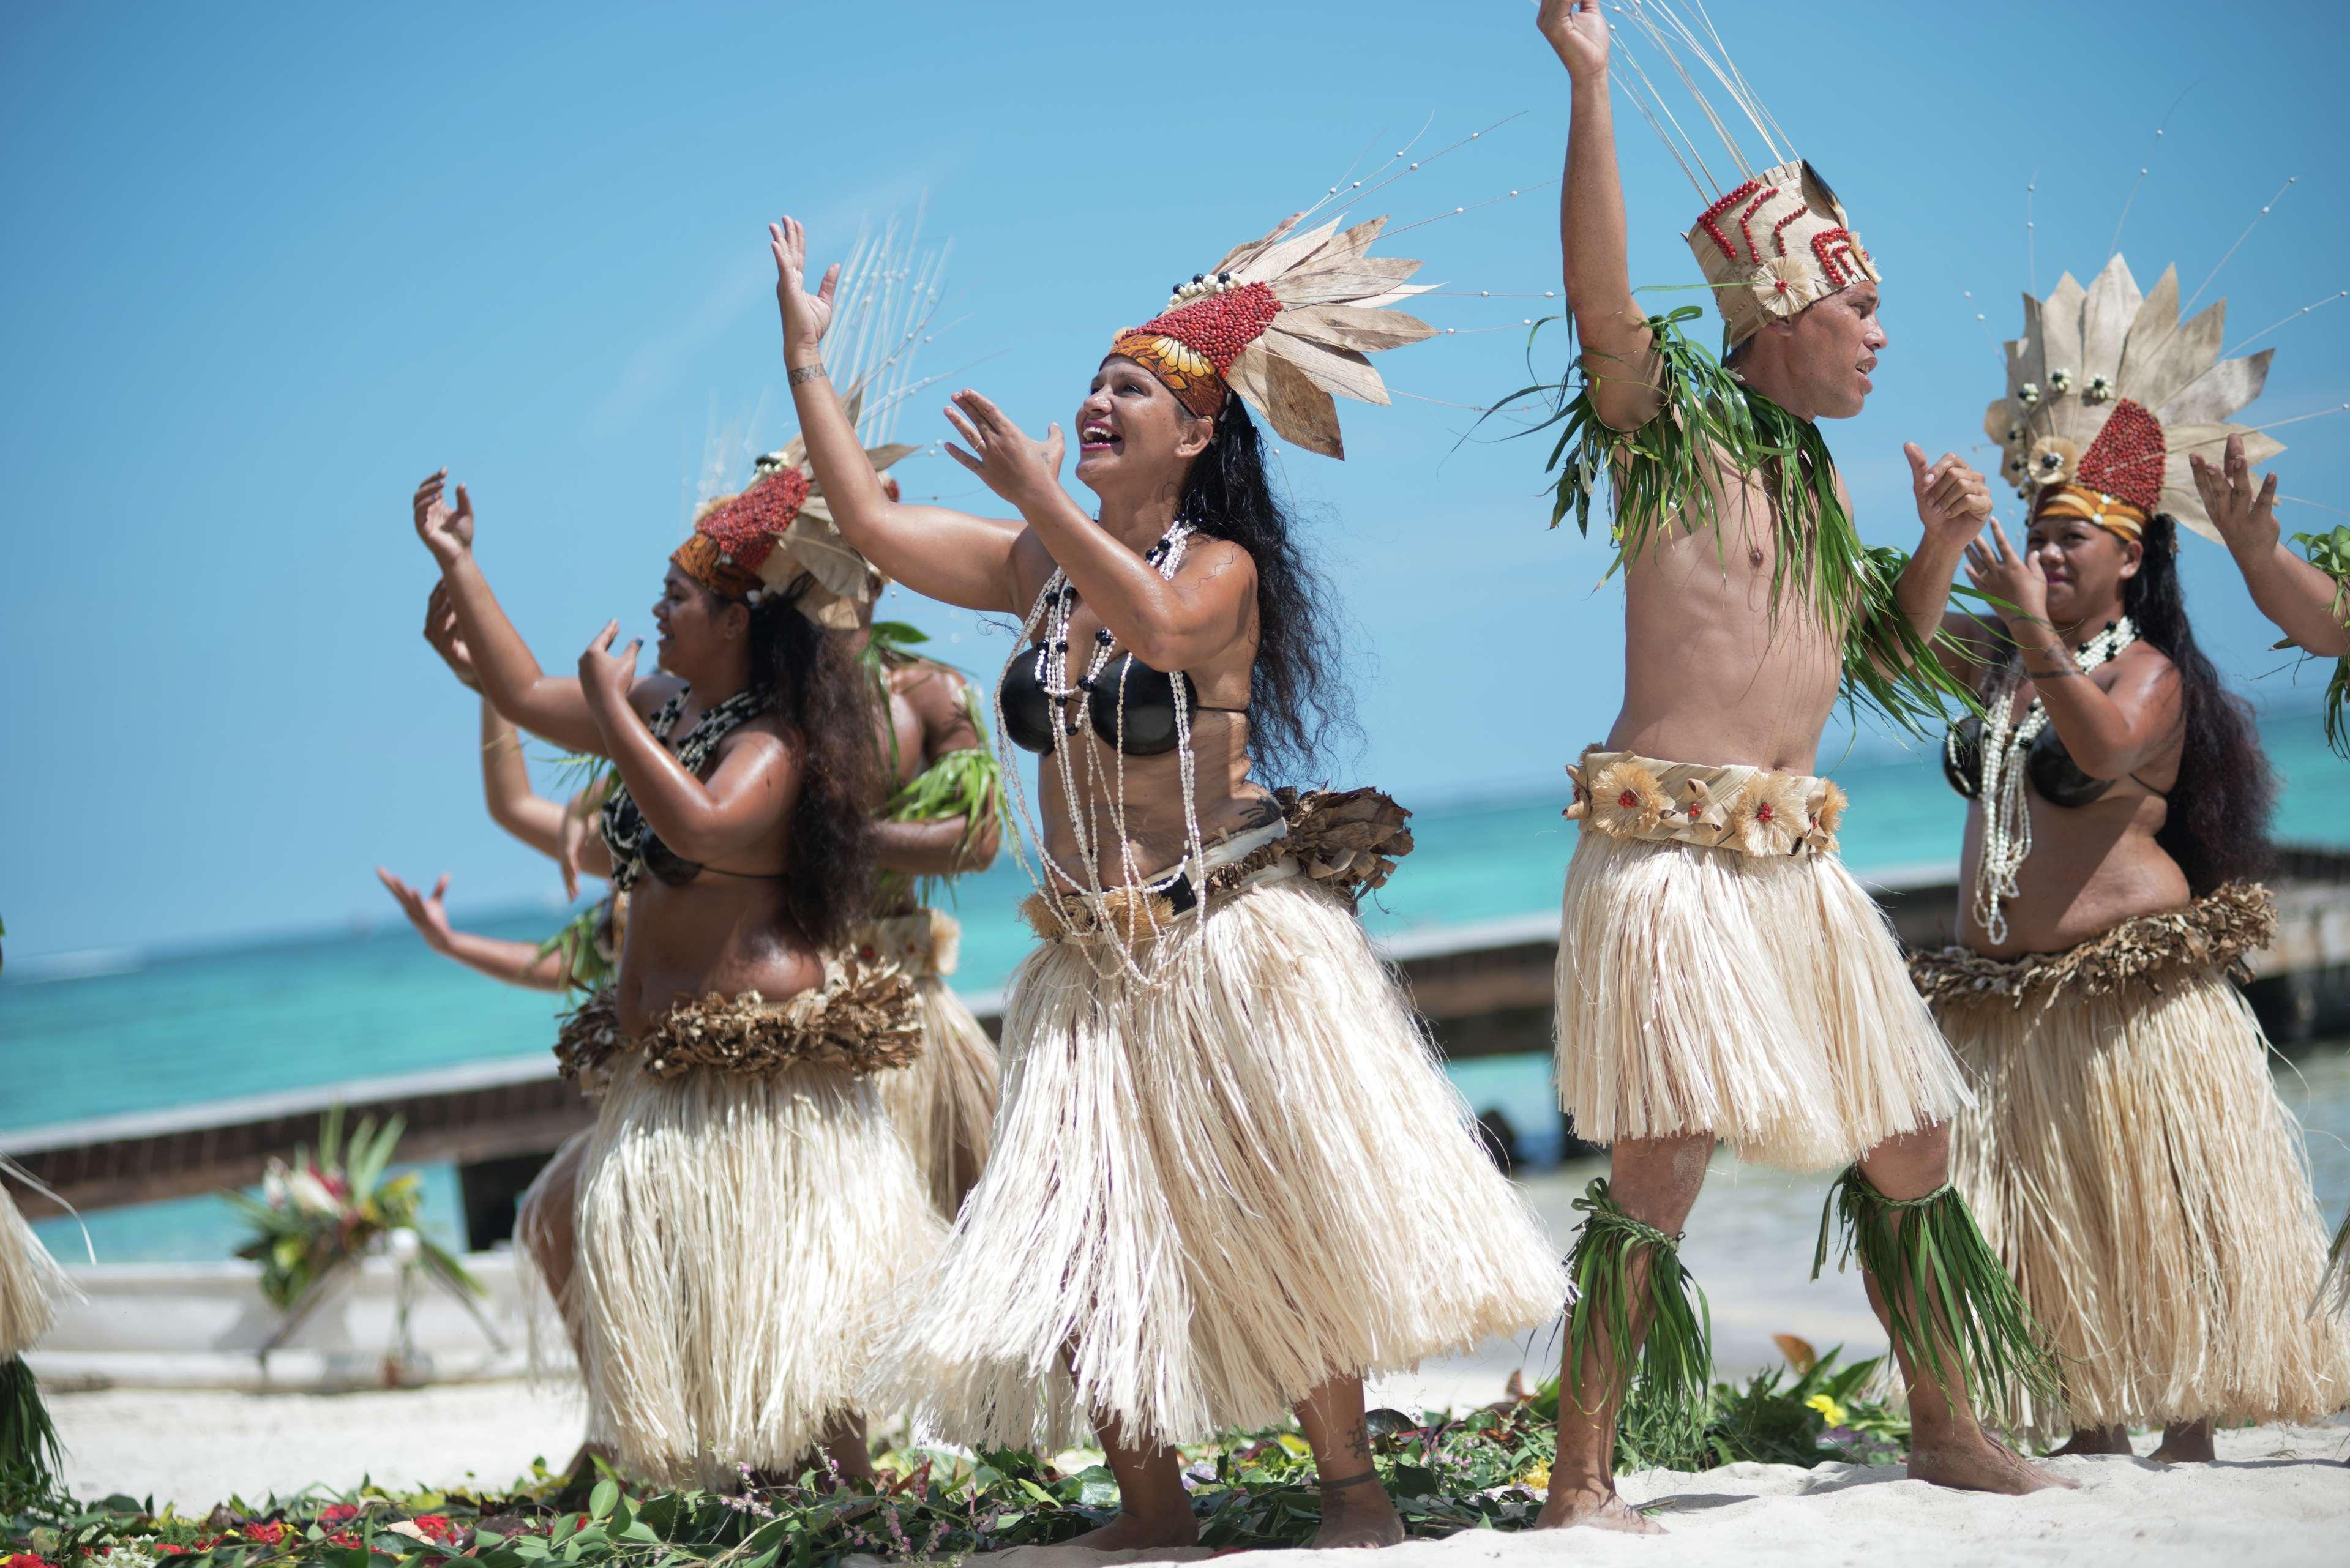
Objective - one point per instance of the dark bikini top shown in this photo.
(635, 848)
(2047, 766)
(1140, 703)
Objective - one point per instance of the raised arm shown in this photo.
(512, 962)
(2110, 730)
(2306, 602)
(509, 676)
(1618, 356)
(940, 846)
(1176, 623)
(720, 822)
(1953, 504)
(938, 551)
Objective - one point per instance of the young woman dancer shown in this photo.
(1189, 1220)
(733, 1063)
(2129, 1156)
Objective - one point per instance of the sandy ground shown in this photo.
(2281, 1493)
(2278, 1497)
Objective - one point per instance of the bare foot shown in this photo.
(1359, 1516)
(1596, 1506)
(1135, 1532)
(2186, 1443)
(2094, 1440)
(1972, 1460)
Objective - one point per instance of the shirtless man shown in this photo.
(1721, 977)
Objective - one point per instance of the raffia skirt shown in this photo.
(744, 1204)
(1215, 1185)
(944, 1100)
(2132, 1163)
(1720, 972)
(32, 1282)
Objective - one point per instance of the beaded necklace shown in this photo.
(624, 826)
(1048, 627)
(2007, 817)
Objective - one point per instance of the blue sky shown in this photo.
(269, 265)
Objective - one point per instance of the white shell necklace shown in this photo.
(2007, 815)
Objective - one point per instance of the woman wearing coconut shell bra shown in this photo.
(1184, 1223)
(2129, 1154)
(733, 1064)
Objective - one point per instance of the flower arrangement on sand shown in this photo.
(1481, 1469)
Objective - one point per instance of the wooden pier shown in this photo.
(1484, 989)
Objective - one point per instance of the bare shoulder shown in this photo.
(650, 691)
(1212, 560)
(927, 687)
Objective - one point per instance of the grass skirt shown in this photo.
(31, 1282)
(734, 1236)
(944, 1102)
(2132, 1163)
(1215, 1192)
(1761, 998)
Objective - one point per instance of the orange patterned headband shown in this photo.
(2120, 518)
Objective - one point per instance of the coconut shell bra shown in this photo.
(2056, 777)
(1138, 715)
(635, 848)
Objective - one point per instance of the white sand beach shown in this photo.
(2282, 1493)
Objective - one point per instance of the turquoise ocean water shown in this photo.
(112, 1033)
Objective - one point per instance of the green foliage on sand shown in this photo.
(1481, 1471)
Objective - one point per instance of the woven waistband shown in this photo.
(862, 1020)
(1729, 805)
(924, 943)
(2218, 930)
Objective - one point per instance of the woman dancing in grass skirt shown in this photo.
(2129, 1156)
(744, 1202)
(1191, 1217)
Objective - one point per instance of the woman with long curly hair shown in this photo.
(744, 1200)
(1189, 1220)
(2129, 1156)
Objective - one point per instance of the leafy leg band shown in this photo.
(1675, 1364)
(28, 1441)
(1955, 1314)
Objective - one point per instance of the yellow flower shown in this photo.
(1827, 806)
(1769, 816)
(1536, 1479)
(1830, 1411)
(1626, 799)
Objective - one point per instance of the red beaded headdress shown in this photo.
(778, 535)
(2108, 393)
(1285, 322)
(1773, 245)
(1772, 239)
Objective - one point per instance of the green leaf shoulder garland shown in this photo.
(1670, 468)
(2330, 553)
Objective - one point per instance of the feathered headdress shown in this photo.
(778, 533)
(2108, 392)
(1286, 322)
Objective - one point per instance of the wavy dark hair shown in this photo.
(1296, 704)
(2218, 829)
(814, 685)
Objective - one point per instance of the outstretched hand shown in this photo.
(1008, 461)
(1953, 502)
(447, 531)
(806, 316)
(606, 676)
(1579, 33)
(2015, 581)
(441, 630)
(426, 913)
(2244, 514)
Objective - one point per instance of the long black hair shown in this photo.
(2218, 829)
(813, 685)
(1296, 702)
